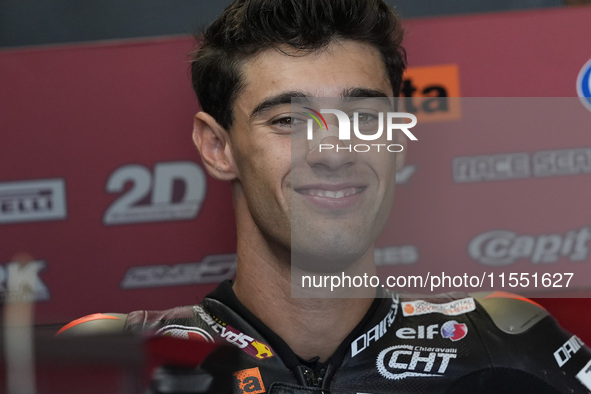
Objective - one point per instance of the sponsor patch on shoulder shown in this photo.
(245, 342)
(453, 308)
(584, 375)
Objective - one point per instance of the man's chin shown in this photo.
(326, 259)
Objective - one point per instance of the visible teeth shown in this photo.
(332, 193)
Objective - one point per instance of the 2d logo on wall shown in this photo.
(20, 282)
(173, 191)
(584, 85)
(32, 201)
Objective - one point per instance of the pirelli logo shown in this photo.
(248, 381)
(432, 93)
(32, 201)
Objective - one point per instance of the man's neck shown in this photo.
(310, 326)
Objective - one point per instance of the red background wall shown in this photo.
(76, 115)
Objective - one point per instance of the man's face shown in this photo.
(327, 204)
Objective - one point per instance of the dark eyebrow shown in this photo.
(287, 98)
(362, 92)
(280, 99)
(353, 94)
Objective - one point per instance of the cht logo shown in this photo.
(584, 85)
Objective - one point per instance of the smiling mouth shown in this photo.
(342, 193)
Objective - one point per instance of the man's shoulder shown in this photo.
(169, 321)
(97, 323)
(510, 313)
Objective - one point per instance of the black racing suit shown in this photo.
(480, 344)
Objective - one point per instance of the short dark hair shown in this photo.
(248, 27)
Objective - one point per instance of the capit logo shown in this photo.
(364, 124)
(503, 247)
(584, 85)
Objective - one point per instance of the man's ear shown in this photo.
(213, 143)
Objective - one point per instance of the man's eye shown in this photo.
(287, 121)
(364, 117)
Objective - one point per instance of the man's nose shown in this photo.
(331, 153)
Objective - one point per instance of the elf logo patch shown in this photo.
(454, 330)
(248, 381)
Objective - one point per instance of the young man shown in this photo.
(289, 196)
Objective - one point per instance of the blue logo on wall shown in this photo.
(584, 85)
